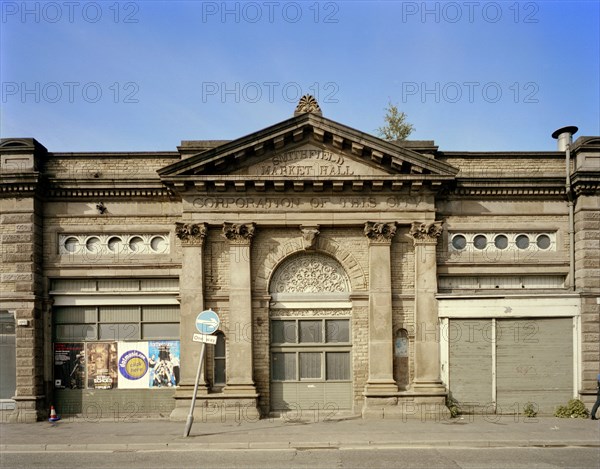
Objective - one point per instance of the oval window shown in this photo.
(136, 244)
(480, 242)
(71, 244)
(543, 241)
(115, 244)
(522, 241)
(501, 242)
(158, 244)
(93, 244)
(459, 242)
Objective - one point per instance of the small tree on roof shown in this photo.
(396, 127)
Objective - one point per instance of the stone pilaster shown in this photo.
(239, 362)
(427, 344)
(191, 290)
(380, 380)
(22, 290)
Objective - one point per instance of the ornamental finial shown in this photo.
(306, 104)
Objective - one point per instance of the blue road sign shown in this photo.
(207, 322)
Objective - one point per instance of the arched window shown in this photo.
(219, 363)
(311, 334)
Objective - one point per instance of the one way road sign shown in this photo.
(207, 322)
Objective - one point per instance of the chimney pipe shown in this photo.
(564, 136)
(565, 139)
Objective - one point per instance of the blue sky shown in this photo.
(142, 76)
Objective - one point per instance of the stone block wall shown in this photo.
(587, 281)
(21, 291)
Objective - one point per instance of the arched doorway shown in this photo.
(310, 335)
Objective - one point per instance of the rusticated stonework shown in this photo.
(239, 233)
(310, 273)
(191, 234)
(380, 232)
(426, 232)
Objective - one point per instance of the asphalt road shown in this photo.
(371, 458)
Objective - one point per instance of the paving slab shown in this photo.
(164, 435)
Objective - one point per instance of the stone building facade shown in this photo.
(350, 275)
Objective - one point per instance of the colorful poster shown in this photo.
(101, 365)
(69, 366)
(134, 368)
(164, 363)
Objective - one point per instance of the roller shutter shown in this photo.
(534, 363)
(471, 362)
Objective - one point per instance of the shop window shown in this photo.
(116, 323)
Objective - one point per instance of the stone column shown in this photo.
(427, 343)
(191, 292)
(239, 357)
(380, 381)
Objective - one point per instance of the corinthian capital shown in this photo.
(426, 232)
(239, 233)
(380, 232)
(191, 234)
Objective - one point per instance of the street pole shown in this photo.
(190, 417)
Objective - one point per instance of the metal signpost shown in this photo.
(207, 323)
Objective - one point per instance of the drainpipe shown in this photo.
(564, 135)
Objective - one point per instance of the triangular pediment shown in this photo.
(307, 148)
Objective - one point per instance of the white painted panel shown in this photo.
(509, 307)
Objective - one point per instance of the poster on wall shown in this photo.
(101, 365)
(163, 363)
(134, 368)
(69, 365)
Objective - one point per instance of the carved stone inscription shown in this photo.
(308, 162)
(313, 203)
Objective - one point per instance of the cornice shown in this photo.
(586, 182)
(513, 186)
(76, 188)
(19, 184)
(242, 183)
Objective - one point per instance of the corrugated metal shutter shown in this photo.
(306, 398)
(534, 363)
(470, 363)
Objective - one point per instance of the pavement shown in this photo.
(311, 433)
